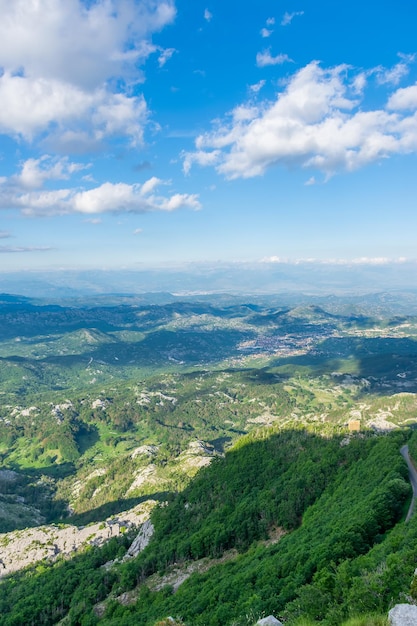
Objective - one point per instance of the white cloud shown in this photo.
(267, 31)
(38, 36)
(19, 249)
(35, 172)
(405, 98)
(393, 75)
(32, 104)
(120, 114)
(288, 17)
(120, 197)
(4, 234)
(201, 157)
(310, 181)
(265, 58)
(52, 82)
(180, 200)
(257, 86)
(208, 16)
(165, 55)
(150, 185)
(348, 262)
(359, 82)
(271, 259)
(316, 122)
(138, 231)
(22, 192)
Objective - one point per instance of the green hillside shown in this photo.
(343, 548)
(235, 419)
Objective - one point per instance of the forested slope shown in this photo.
(345, 550)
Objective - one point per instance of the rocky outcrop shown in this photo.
(269, 621)
(21, 548)
(142, 539)
(403, 615)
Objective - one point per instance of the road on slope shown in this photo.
(413, 480)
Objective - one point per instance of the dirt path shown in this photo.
(413, 480)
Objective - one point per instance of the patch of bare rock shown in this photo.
(269, 621)
(21, 548)
(403, 615)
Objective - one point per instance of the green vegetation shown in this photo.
(339, 504)
(235, 419)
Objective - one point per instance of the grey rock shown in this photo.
(269, 621)
(142, 539)
(403, 615)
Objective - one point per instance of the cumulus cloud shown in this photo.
(110, 37)
(405, 98)
(119, 197)
(30, 106)
(288, 17)
(180, 200)
(25, 192)
(51, 81)
(208, 16)
(34, 172)
(201, 157)
(317, 121)
(120, 114)
(265, 58)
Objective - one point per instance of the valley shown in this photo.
(111, 412)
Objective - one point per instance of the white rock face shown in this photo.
(142, 539)
(21, 548)
(269, 621)
(403, 615)
(99, 404)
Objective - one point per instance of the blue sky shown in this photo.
(149, 132)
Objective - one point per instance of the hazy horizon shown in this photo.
(308, 277)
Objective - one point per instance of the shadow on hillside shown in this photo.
(388, 364)
(109, 509)
(30, 493)
(161, 347)
(27, 320)
(27, 496)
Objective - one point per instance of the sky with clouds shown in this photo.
(148, 132)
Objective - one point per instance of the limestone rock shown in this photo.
(269, 621)
(142, 539)
(403, 615)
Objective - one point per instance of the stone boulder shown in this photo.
(403, 615)
(269, 621)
